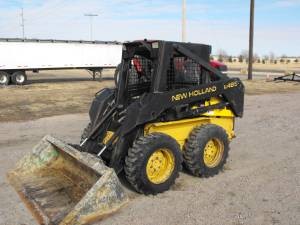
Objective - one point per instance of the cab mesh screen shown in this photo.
(184, 73)
(139, 77)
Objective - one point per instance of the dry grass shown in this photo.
(42, 100)
(272, 67)
(257, 87)
(48, 99)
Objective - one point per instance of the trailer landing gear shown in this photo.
(96, 73)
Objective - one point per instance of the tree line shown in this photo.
(222, 56)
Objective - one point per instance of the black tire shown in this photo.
(19, 78)
(137, 159)
(4, 78)
(90, 146)
(116, 75)
(86, 132)
(194, 150)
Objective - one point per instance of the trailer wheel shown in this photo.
(4, 78)
(19, 78)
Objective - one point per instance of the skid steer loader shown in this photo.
(170, 108)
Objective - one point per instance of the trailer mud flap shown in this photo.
(62, 186)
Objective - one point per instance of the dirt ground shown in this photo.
(260, 183)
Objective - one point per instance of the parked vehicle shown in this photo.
(21, 55)
(219, 65)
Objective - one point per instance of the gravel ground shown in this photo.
(260, 183)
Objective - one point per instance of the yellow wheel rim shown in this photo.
(160, 165)
(213, 152)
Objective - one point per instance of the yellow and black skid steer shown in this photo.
(170, 108)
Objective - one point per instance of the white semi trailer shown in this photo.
(20, 55)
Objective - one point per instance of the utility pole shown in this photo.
(251, 35)
(183, 25)
(91, 23)
(22, 23)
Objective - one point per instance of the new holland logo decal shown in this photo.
(195, 93)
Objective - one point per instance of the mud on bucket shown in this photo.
(61, 185)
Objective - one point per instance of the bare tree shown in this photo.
(256, 57)
(222, 55)
(241, 58)
(245, 55)
(266, 57)
(284, 56)
(272, 57)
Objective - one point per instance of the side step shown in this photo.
(62, 186)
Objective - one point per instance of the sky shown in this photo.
(222, 24)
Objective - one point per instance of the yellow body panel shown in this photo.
(181, 129)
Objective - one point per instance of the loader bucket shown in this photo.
(62, 186)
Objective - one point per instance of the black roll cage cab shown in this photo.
(160, 53)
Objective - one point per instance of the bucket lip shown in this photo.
(85, 158)
(30, 203)
(103, 198)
